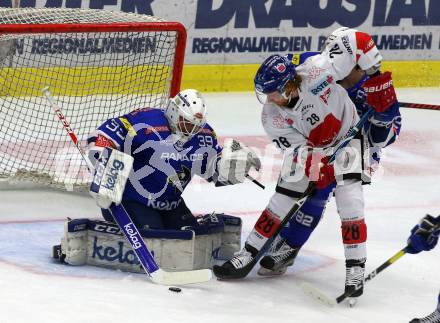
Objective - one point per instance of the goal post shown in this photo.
(98, 64)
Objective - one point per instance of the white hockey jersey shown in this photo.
(322, 115)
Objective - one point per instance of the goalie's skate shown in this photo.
(239, 266)
(278, 258)
(354, 280)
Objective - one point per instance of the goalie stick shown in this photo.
(292, 212)
(324, 299)
(131, 233)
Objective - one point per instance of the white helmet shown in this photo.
(348, 47)
(186, 113)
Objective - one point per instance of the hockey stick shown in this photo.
(324, 299)
(292, 212)
(253, 180)
(129, 229)
(419, 106)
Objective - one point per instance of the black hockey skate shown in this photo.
(354, 279)
(239, 266)
(57, 254)
(280, 256)
(434, 317)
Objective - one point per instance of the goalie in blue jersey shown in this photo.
(166, 148)
(169, 147)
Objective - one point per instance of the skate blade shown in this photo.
(270, 273)
(352, 301)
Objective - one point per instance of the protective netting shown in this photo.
(93, 75)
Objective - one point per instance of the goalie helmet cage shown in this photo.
(97, 64)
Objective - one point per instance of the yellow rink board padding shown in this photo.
(225, 78)
(81, 81)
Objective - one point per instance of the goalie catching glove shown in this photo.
(111, 173)
(236, 161)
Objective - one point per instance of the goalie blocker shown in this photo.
(100, 243)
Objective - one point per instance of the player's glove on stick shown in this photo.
(236, 161)
(380, 92)
(319, 171)
(424, 236)
(111, 173)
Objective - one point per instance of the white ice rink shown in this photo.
(34, 289)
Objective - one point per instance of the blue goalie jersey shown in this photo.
(163, 166)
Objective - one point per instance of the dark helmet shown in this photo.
(273, 74)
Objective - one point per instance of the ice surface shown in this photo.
(34, 289)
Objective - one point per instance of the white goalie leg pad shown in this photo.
(74, 242)
(101, 244)
(173, 250)
(218, 237)
(350, 203)
(231, 238)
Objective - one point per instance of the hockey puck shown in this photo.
(175, 289)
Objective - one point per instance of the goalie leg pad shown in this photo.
(218, 237)
(101, 244)
(74, 242)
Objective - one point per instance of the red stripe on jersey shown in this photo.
(102, 141)
(325, 132)
(364, 42)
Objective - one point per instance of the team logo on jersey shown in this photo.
(324, 96)
(322, 85)
(314, 73)
(278, 122)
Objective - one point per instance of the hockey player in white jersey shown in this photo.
(361, 56)
(306, 113)
(381, 129)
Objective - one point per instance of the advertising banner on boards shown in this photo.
(246, 31)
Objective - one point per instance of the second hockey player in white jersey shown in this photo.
(306, 112)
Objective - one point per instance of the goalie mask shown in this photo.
(186, 113)
(347, 47)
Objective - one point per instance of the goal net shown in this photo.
(97, 64)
